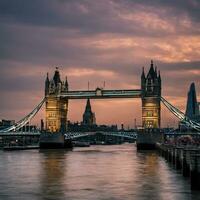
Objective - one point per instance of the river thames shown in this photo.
(115, 172)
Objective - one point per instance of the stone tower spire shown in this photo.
(143, 80)
(156, 72)
(143, 74)
(47, 84)
(88, 116)
(56, 77)
(88, 106)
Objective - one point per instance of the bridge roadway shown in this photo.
(19, 133)
(101, 93)
(182, 134)
(73, 135)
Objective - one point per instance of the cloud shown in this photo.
(89, 17)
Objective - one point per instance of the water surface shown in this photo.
(115, 172)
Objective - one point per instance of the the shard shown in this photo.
(192, 109)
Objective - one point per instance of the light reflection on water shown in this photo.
(97, 172)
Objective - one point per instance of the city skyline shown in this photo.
(97, 41)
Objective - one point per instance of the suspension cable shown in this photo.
(24, 120)
(180, 115)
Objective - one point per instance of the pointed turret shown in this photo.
(47, 84)
(143, 74)
(66, 83)
(159, 77)
(143, 80)
(56, 77)
(47, 79)
(151, 73)
(88, 106)
(156, 72)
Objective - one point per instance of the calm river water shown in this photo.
(116, 172)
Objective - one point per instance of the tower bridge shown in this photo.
(57, 95)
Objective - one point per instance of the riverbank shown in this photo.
(186, 159)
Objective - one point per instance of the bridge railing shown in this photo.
(100, 93)
(73, 135)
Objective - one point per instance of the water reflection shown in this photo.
(149, 176)
(98, 172)
(158, 180)
(53, 165)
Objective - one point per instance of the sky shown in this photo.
(97, 41)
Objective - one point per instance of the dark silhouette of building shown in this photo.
(89, 122)
(6, 123)
(80, 127)
(192, 107)
(88, 116)
(151, 93)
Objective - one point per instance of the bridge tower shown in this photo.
(151, 93)
(56, 106)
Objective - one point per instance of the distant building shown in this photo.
(80, 127)
(6, 123)
(89, 122)
(192, 107)
(88, 116)
(28, 128)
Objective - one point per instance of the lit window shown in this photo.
(149, 114)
